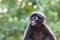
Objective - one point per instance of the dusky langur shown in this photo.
(37, 28)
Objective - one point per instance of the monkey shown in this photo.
(37, 28)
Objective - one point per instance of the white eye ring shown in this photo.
(36, 18)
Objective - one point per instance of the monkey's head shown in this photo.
(37, 18)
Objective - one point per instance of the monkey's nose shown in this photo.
(33, 23)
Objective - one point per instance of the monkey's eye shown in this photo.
(34, 18)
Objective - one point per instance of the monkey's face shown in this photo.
(33, 20)
(36, 18)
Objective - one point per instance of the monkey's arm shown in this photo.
(49, 32)
(27, 33)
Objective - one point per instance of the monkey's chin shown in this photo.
(33, 24)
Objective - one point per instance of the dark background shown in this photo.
(14, 16)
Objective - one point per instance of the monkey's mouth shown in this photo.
(33, 23)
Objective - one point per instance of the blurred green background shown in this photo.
(14, 16)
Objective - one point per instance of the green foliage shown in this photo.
(14, 16)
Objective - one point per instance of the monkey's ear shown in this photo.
(44, 22)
